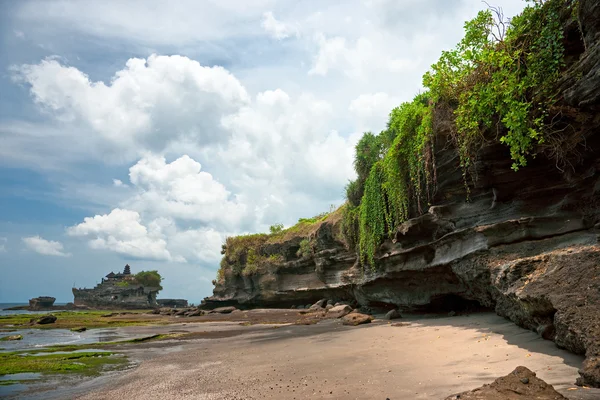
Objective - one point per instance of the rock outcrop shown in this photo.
(525, 244)
(175, 303)
(118, 291)
(41, 303)
(521, 384)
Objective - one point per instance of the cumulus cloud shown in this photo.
(45, 247)
(146, 105)
(121, 231)
(277, 29)
(181, 190)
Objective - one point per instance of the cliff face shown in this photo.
(524, 245)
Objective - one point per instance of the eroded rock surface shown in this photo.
(521, 384)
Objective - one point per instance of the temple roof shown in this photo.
(111, 275)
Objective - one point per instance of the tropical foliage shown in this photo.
(498, 83)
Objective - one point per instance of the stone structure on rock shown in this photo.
(42, 302)
(524, 245)
(120, 290)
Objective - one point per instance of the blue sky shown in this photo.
(145, 132)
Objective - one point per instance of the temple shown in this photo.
(120, 290)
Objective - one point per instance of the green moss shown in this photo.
(72, 319)
(89, 363)
(245, 255)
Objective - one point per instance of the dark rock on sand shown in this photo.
(46, 319)
(521, 384)
(392, 314)
(80, 329)
(223, 310)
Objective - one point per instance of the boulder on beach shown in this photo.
(357, 319)
(11, 337)
(339, 311)
(195, 313)
(392, 314)
(519, 384)
(46, 319)
(223, 310)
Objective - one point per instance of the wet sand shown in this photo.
(430, 358)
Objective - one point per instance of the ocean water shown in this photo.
(3, 310)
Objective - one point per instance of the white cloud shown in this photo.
(121, 231)
(156, 22)
(119, 183)
(3, 241)
(147, 104)
(277, 29)
(371, 110)
(45, 247)
(181, 190)
(366, 56)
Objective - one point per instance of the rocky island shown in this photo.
(122, 290)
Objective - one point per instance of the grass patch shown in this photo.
(86, 363)
(77, 319)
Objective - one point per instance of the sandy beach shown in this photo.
(419, 357)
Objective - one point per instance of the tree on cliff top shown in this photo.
(149, 278)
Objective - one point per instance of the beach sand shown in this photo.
(425, 358)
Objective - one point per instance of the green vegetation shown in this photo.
(277, 228)
(503, 77)
(122, 284)
(89, 363)
(498, 84)
(77, 319)
(149, 278)
(245, 255)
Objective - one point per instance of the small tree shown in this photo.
(276, 228)
(149, 278)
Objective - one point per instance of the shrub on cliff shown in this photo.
(149, 278)
(498, 83)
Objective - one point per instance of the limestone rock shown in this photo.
(11, 337)
(392, 314)
(521, 384)
(195, 313)
(224, 310)
(356, 319)
(339, 311)
(46, 319)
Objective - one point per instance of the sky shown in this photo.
(146, 131)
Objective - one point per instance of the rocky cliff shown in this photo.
(525, 244)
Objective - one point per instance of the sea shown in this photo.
(4, 311)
